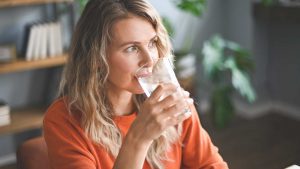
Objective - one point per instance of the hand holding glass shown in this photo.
(162, 72)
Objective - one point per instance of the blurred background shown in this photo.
(240, 60)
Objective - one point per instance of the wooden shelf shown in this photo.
(11, 3)
(23, 120)
(21, 64)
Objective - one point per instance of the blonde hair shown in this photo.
(85, 75)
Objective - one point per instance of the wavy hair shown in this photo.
(85, 76)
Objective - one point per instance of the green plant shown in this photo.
(82, 4)
(168, 25)
(268, 2)
(227, 66)
(195, 7)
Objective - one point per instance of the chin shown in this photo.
(142, 92)
(138, 90)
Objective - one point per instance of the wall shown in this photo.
(284, 67)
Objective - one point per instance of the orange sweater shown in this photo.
(70, 148)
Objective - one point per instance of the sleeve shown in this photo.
(66, 145)
(198, 149)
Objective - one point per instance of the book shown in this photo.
(4, 114)
(37, 42)
(31, 43)
(43, 45)
(59, 38)
(45, 39)
(4, 120)
(51, 35)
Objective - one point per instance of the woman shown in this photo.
(102, 119)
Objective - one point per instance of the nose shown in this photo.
(147, 58)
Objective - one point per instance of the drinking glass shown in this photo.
(162, 72)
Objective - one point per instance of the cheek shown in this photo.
(122, 68)
(125, 67)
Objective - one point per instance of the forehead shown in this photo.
(132, 28)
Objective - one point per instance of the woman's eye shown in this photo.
(131, 49)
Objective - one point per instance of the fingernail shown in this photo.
(186, 93)
(190, 100)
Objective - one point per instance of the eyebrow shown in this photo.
(136, 42)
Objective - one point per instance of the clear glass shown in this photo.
(162, 72)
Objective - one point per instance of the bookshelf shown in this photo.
(29, 118)
(12, 3)
(23, 120)
(21, 64)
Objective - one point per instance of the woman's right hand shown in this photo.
(164, 108)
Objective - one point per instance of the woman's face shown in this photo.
(133, 45)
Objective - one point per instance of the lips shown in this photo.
(143, 72)
(145, 75)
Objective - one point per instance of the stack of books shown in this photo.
(4, 114)
(43, 40)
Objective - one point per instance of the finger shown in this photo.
(177, 119)
(175, 114)
(170, 99)
(190, 101)
(173, 99)
(177, 95)
(180, 106)
(177, 108)
(185, 93)
(157, 92)
(162, 89)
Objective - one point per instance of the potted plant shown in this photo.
(227, 66)
(184, 59)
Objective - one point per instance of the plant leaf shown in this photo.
(195, 7)
(268, 2)
(82, 4)
(213, 56)
(168, 25)
(240, 80)
(241, 56)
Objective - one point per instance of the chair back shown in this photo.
(33, 154)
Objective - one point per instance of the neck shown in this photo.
(122, 102)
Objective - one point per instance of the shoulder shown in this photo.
(58, 112)
(57, 109)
